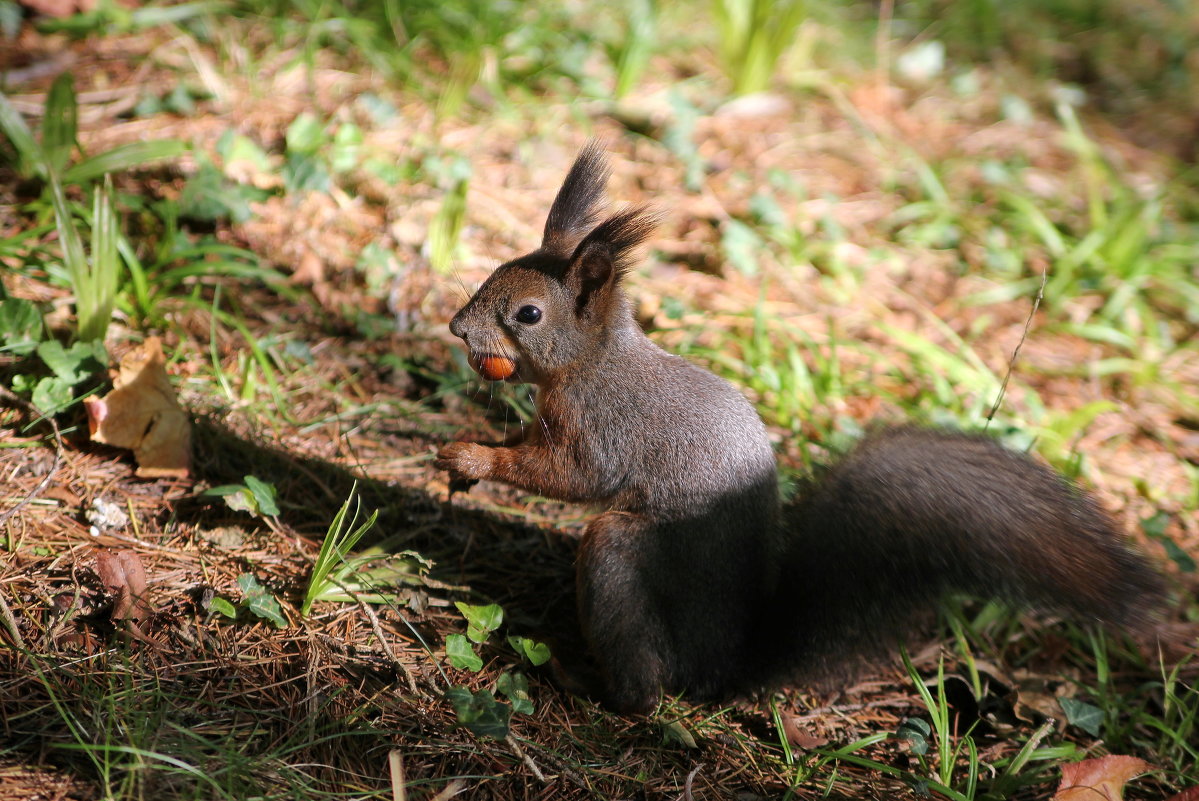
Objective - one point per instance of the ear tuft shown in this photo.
(620, 235)
(577, 206)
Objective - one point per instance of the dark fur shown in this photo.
(577, 207)
(690, 582)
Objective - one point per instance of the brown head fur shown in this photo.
(547, 309)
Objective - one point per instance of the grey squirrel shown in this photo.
(695, 580)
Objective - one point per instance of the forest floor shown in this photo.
(857, 246)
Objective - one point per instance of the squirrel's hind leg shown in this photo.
(619, 620)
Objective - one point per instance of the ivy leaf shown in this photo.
(255, 496)
(20, 326)
(264, 495)
(1085, 716)
(239, 499)
(223, 607)
(347, 148)
(306, 134)
(480, 712)
(260, 601)
(74, 364)
(51, 394)
(461, 654)
(234, 147)
(538, 653)
(915, 731)
(481, 620)
(515, 687)
(305, 173)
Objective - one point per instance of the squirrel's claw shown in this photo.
(460, 483)
(460, 460)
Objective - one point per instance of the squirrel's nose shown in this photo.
(457, 328)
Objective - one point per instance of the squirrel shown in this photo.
(696, 580)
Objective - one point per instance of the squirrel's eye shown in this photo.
(528, 315)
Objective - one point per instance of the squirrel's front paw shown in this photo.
(465, 460)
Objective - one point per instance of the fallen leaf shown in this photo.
(63, 495)
(799, 737)
(310, 271)
(121, 572)
(59, 8)
(142, 414)
(1100, 779)
(1189, 794)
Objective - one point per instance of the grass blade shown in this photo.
(29, 154)
(60, 122)
(73, 257)
(124, 157)
(105, 267)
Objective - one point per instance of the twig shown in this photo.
(395, 764)
(1016, 353)
(690, 780)
(378, 629)
(8, 396)
(820, 713)
(516, 749)
(564, 768)
(11, 623)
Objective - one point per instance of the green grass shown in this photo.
(94, 275)
(137, 735)
(754, 34)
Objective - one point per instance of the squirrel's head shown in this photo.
(540, 313)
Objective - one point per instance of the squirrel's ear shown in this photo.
(606, 254)
(577, 206)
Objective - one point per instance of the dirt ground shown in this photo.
(351, 682)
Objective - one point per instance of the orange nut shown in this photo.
(495, 368)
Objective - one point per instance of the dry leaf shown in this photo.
(59, 8)
(1189, 794)
(800, 737)
(122, 573)
(310, 271)
(142, 414)
(1098, 779)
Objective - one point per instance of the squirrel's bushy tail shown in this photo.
(912, 514)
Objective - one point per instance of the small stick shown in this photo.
(395, 761)
(1016, 353)
(378, 629)
(11, 622)
(516, 749)
(690, 779)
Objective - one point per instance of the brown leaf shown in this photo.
(142, 414)
(800, 737)
(310, 271)
(122, 572)
(59, 8)
(1098, 779)
(1189, 794)
(63, 494)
